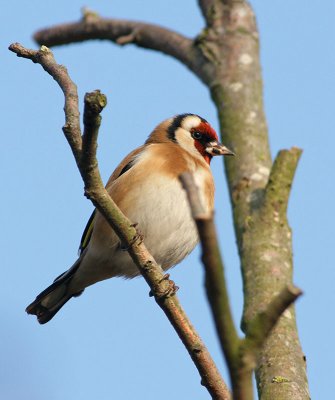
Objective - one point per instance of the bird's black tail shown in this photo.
(52, 299)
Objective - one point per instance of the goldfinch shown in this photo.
(146, 188)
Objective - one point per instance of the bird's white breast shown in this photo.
(164, 218)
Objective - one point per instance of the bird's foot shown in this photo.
(139, 235)
(169, 291)
(138, 238)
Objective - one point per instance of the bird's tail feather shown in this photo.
(52, 299)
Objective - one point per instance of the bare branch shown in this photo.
(278, 188)
(259, 328)
(45, 58)
(94, 104)
(161, 287)
(122, 32)
(192, 193)
(215, 281)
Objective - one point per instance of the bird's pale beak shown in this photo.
(218, 149)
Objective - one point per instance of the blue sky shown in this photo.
(113, 341)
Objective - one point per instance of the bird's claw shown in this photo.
(166, 293)
(138, 238)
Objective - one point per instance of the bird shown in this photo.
(146, 188)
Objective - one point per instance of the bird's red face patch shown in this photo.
(202, 135)
(207, 130)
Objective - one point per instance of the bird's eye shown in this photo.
(196, 135)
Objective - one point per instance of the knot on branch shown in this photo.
(91, 194)
(89, 15)
(130, 38)
(239, 187)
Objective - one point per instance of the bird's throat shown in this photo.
(202, 150)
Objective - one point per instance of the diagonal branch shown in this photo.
(45, 57)
(161, 287)
(261, 325)
(91, 26)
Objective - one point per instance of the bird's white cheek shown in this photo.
(186, 142)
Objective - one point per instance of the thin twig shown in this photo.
(162, 288)
(45, 58)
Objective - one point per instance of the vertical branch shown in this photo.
(215, 281)
(94, 102)
(217, 293)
